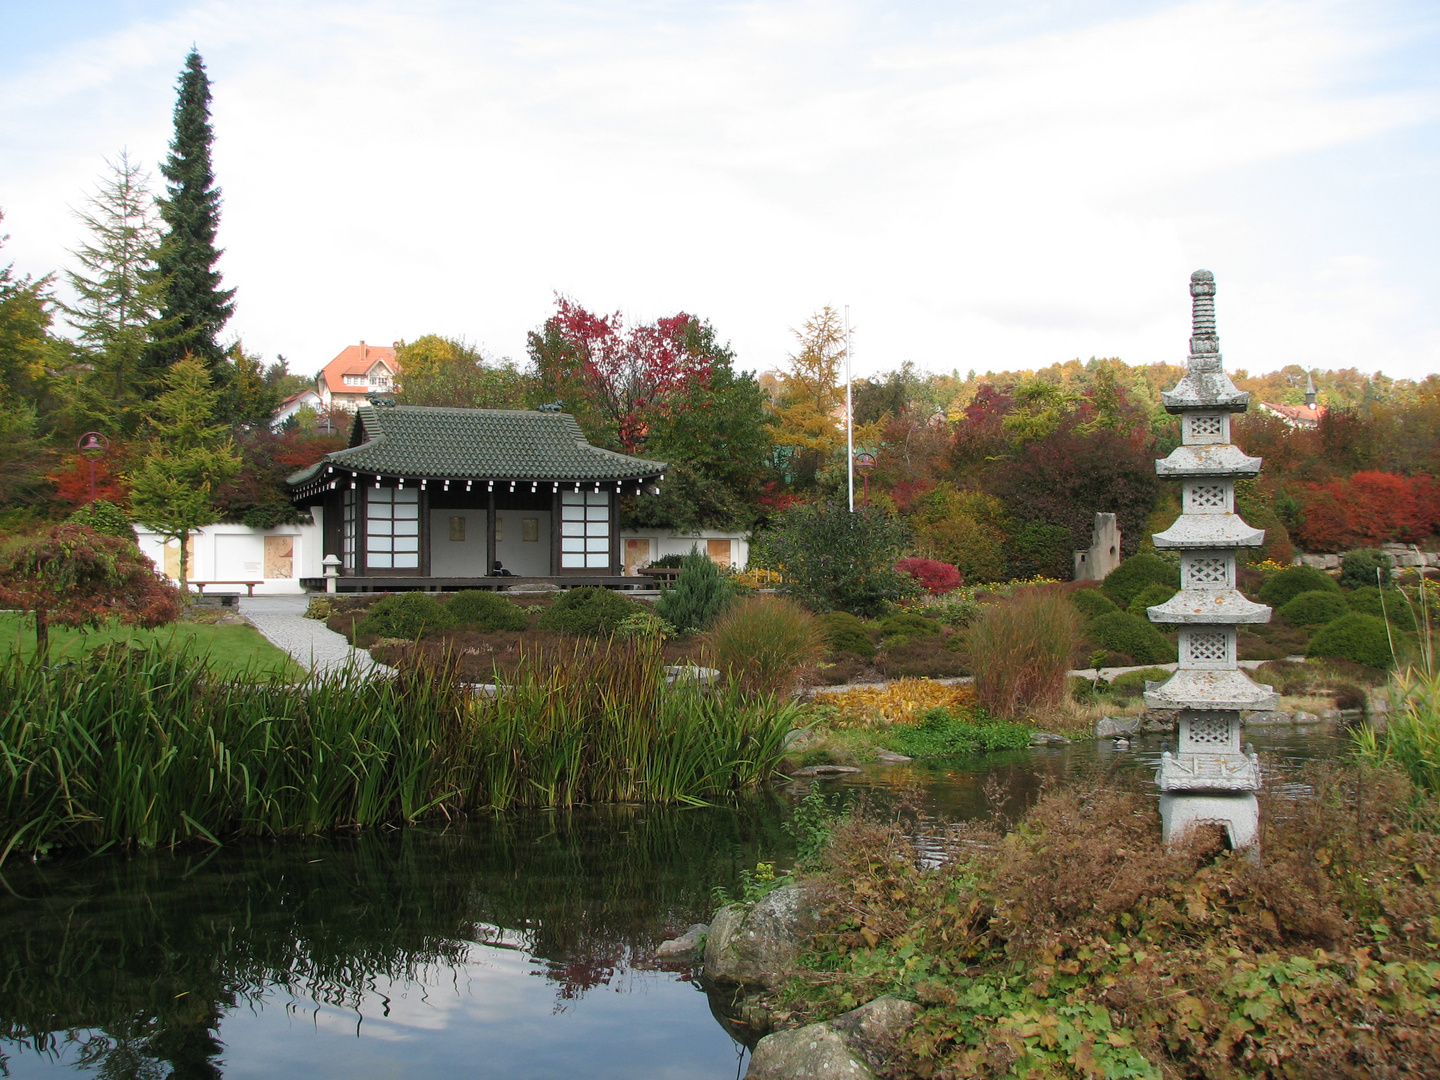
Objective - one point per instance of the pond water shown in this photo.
(513, 946)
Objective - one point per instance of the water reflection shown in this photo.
(426, 944)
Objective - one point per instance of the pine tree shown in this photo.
(194, 308)
(187, 456)
(118, 288)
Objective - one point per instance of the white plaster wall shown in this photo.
(237, 553)
(664, 542)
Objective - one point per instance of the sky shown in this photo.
(986, 186)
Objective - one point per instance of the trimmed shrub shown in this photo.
(1128, 579)
(1314, 608)
(482, 610)
(1280, 588)
(1358, 568)
(105, 518)
(1392, 605)
(1358, 638)
(764, 643)
(908, 624)
(1132, 683)
(407, 615)
(932, 575)
(588, 610)
(1126, 633)
(699, 595)
(1092, 603)
(843, 632)
(1020, 650)
(644, 624)
(1148, 597)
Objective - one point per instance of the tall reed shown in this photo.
(147, 748)
(1020, 650)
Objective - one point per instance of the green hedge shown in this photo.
(407, 615)
(1358, 638)
(482, 610)
(1129, 578)
(589, 610)
(1314, 608)
(843, 632)
(1282, 587)
(1125, 633)
(1093, 603)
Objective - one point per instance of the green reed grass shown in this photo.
(148, 748)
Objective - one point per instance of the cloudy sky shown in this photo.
(987, 185)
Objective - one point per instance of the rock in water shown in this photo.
(1041, 738)
(686, 943)
(873, 1029)
(1107, 727)
(825, 770)
(756, 945)
(813, 1052)
(891, 757)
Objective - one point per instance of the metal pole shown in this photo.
(849, 419)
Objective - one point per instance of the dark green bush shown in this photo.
(1392, 606)
(408, 616)
(1092, 603)
(1314, 608)
(1125, 633)
(589, 610)
(1135, 573)
(668, 562)
(1282, 587)
(910, 625)
(1358, 568)
(104, 517)
(700, 594)
(1148, 597)
(843, 632)
(1358, 638)
(482, 610)
(1132, 683)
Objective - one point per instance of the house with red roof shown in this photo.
(359, 371)
(1298, 416)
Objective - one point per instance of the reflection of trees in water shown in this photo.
(128, 964)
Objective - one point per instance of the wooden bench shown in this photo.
(664, 575)
(249, 585)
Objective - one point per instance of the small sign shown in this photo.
(457, 529)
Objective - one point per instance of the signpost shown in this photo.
(865, 465)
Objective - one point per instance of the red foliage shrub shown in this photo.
(938, 577)
(1368, 509)
(72, 486)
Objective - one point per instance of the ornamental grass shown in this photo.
(1020, 651)
(147, 748)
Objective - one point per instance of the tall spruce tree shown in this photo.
(193, 308)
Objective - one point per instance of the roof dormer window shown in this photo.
(356, 380)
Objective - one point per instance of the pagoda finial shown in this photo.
(1204, 340)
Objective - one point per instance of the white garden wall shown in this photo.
(275, 558)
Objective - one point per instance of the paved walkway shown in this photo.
(314, 645)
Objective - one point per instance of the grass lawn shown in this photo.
(231, 650)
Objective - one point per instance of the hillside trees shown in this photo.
(452, 372)
(193, 306)
(25, 316)
(807, 418)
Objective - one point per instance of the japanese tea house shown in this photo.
(433, 498)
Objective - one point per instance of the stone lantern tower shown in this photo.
(1209, 778)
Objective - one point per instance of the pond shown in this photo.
(513, 946)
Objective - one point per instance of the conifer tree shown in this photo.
(118, 289)
(194, 308)
(187, 457)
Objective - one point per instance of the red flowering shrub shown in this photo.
(1366, 510)
(937, 577)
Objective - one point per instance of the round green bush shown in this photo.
(105, 517)
(1358, 568)
(1132, 683)
(1314, 608)
(482, 610)
(843, 632)
(1392, 606)
(1122, 632)
(1092, 603)
(910, 625)
(1135, 573)
(408, 616)
(1282, 587)
(1358, 638)
(588, 610)
(1148, 597)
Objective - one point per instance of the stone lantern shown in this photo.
(1208, 779)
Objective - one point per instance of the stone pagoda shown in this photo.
(1209, 778)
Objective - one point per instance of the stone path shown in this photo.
(313, 645)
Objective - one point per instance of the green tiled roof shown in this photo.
(481, 444)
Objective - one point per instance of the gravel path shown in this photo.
(314, 645)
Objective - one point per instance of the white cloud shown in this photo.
(983, 195)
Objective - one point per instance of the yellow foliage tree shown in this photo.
(810, 407)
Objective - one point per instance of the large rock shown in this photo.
(1109, 727)
(687, 943)
(813, 1052)
(756, 945)
(849, 1046)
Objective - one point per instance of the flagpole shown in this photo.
(849, 418)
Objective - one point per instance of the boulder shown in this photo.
(756, 945)
(891, 757)
(533, 587)
(1108, 727)
(825, 770)
(874, 1028)
(689, 942)
(1160, 720)
(1040, 738)
(1269, 718)
(812, 1052)
(1303, 717)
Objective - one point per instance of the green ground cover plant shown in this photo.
(941, 733)
(845, 633)
(1148, 597)
(1365, 567)
(908, 624)
(1132, 683)
(1077, 946)
(1392, 605)
(229, 651)
(147, 748)
(590, 610)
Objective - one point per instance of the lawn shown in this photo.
(232, 649)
